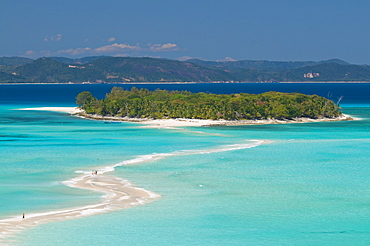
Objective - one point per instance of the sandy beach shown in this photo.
(171, 123)
(118, 194)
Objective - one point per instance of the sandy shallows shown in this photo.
(118, 194)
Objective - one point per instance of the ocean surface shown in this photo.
(219, 186)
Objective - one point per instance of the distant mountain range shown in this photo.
(104, 69)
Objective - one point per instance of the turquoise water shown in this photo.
(309, 186)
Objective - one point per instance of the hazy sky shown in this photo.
(280, 30)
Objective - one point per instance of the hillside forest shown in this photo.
(155, 70)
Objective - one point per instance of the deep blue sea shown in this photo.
(309, 186)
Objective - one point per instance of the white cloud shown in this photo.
(54, 38)
(112, 39)
(184, 58)
(121, 55)
(74, 52)
(227, 59)
(30, 53)
(115, 48)
(164, 47)
(46, 53)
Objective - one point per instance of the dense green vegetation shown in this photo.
(49, 71)
(109, 69)
(99, 69)
(153, 70)
(10, 61)
(160, 104)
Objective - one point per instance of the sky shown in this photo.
(276, 30)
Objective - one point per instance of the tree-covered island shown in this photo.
(163, 104)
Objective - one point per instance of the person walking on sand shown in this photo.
(23, 216)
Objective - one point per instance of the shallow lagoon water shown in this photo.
(308, 187)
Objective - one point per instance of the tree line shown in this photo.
(160, 104)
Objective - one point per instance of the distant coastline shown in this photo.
(208, 82)
(106, 69)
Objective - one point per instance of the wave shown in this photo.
(118, 193)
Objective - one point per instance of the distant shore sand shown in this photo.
(180, 122)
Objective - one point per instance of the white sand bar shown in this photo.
(119, 194)
(70, 110)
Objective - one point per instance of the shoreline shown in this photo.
(118, 194)
(182, 122)
(191, 82)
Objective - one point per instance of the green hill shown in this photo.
(11, 61)
(47, 70)
(10, 78)
(97, 69)
(112, 69)
(132, 69)
(83, 60)
(330, 72)
(260, 64)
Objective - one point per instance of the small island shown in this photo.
(210, 109)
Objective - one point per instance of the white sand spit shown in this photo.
(70, 110)
(119, 194)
